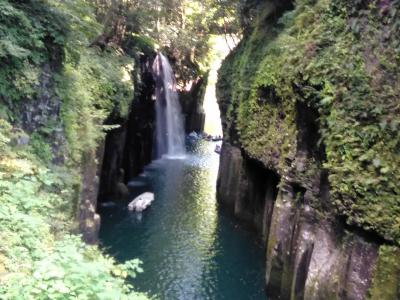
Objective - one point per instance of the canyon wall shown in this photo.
(129, 147)
(309, 149)
(192, 105)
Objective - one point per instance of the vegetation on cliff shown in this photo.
(67, 66)
(55, 93)
(180, 28)
(40, 40)
(39, 258)
(339, 62)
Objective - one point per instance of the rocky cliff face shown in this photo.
(309, 255)
(129, 148)
(192, 106)
(294, 161)
(56, 92)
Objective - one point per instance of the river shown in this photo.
(189, 248)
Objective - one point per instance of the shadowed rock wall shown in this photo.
(192, 106)
(308, 255)
(298, 163)
(129, 147)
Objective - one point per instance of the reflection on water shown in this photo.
(189, 250)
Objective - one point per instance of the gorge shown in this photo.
(303, 201)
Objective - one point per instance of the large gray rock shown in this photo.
(229, 176)
(309, 254)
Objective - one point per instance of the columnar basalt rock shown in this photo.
(192, 106)
(308, 255)
(298, 163)
(88, 219)
(128, 148)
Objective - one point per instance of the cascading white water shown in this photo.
(170, 135)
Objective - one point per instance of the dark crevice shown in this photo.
(308, 138)
(277, 9)
(368, 235)
(298, 194)
(267, 95)
(302, 272)
(261, 191)
(324, 190)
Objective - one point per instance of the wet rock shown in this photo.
(192, 106)
(229, 176)
(309, 255)
(130, 147)
(122, 191)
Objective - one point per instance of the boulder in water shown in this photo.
(141, 202)
(194, 135)
(136, 184)
(217, 149)
(122, 191)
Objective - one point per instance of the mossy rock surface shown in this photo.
(55, 94)
(340, 59)
(386, 280)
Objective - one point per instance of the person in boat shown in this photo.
(217, 138)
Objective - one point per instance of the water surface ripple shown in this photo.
(189, 249)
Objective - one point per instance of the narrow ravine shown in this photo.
(189, 248)
(233, 150)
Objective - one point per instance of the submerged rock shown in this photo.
(136, 184)
(194, 135)
(108, 204)
(141, 202)
(122, 191)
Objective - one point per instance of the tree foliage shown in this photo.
(52, 84)
(39, 259)
(180, 28)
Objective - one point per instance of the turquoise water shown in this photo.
(189, 248)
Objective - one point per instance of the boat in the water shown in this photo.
(141, 202)
(217, 149)
(217, 138)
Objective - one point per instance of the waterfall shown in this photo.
(170, 136)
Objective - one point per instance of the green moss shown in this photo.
(329, 55)
(23, 32)
(39, 257)
(386, 279)
(140, 44)
(90, 83)
(98, 86)
(66, 89)
(41, 147)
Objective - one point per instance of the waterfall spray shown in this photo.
(170, 136)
